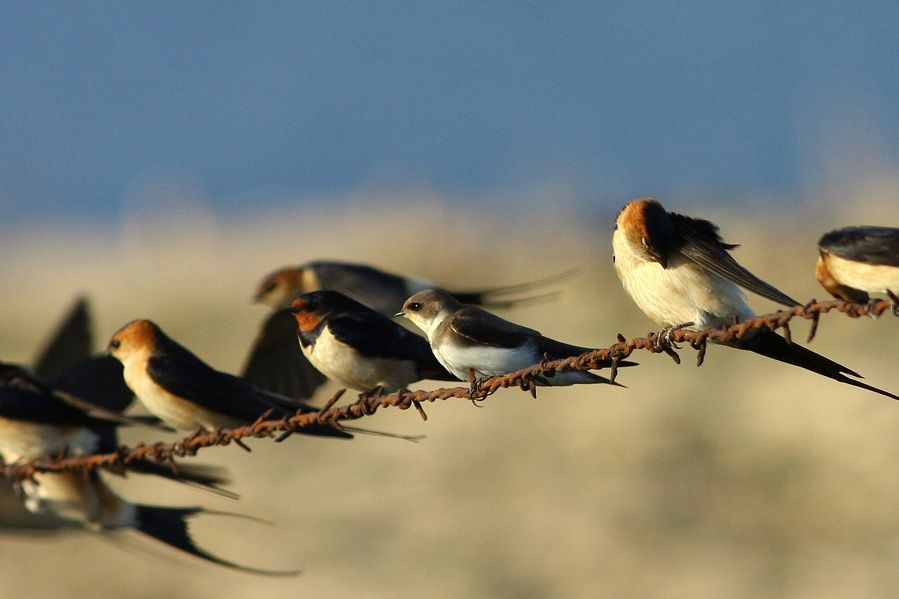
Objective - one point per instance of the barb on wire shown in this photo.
(367, 404)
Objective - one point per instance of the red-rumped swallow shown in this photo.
(37, 421)
(856, 261)
(381, 291)
(85, 499)
(467, 338)
(186, 393)
(359, 348)
(678, 271)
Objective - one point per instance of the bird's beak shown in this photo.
(398, 314)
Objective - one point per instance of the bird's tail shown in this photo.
(772, 345)
(208, 478)
(169, 525)
(498, 297)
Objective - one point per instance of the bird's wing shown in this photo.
(484, 328)
(98, 380)
(276, 363)
(71, 343)
(873, 245)
(377, 336)
(703, 245)
(24, 398)
(381, 291)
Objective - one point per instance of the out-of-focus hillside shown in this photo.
(744, 478)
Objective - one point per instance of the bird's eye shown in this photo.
(415, 306)
(269, 287)
(115, 343)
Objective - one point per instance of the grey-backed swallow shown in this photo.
(856, 261)
(358, 347)
(381, 291)
(467, 338)
(186, 393)
(678, 270)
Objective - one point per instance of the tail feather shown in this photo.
(772, 345)
(169, 525)
(207, 478)
(494, 296)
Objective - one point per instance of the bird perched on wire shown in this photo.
(358, 347)
(276, 362)
(39, 422)
(469, 340)
(679, 272)
(856, 261)
(187, 394)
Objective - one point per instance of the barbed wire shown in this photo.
(526, 379)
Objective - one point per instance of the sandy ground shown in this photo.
(743, 478)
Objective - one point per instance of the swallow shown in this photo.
(277, 363)
(856, 261)
(37, 421)
(381, 291)
(187, 394)
(679, 272)
(468, 338)
(359, 348)
(85, 500)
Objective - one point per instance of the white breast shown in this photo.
(24, 440)
(872, 278)
(343, 364)
(484, 360)
(169, 408)
(684, 292)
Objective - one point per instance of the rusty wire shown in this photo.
(526, 379)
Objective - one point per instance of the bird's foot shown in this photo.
(663, 341)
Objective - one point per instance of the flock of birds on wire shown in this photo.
(339, 321)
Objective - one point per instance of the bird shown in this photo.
(359, 348)
(854, 262)
(679, 272)
(381, 291)
(187, 394)
(84, 499)
(36, 422)
(276, 362)
(468, 339)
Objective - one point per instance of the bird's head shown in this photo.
(646, 227)
(427, 309)
(135, 337)
(309, 309)
(278, 289)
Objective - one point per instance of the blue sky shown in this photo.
(614, 99)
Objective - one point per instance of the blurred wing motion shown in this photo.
(71, 343)
(277, 364)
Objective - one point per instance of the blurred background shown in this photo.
(161, 160)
